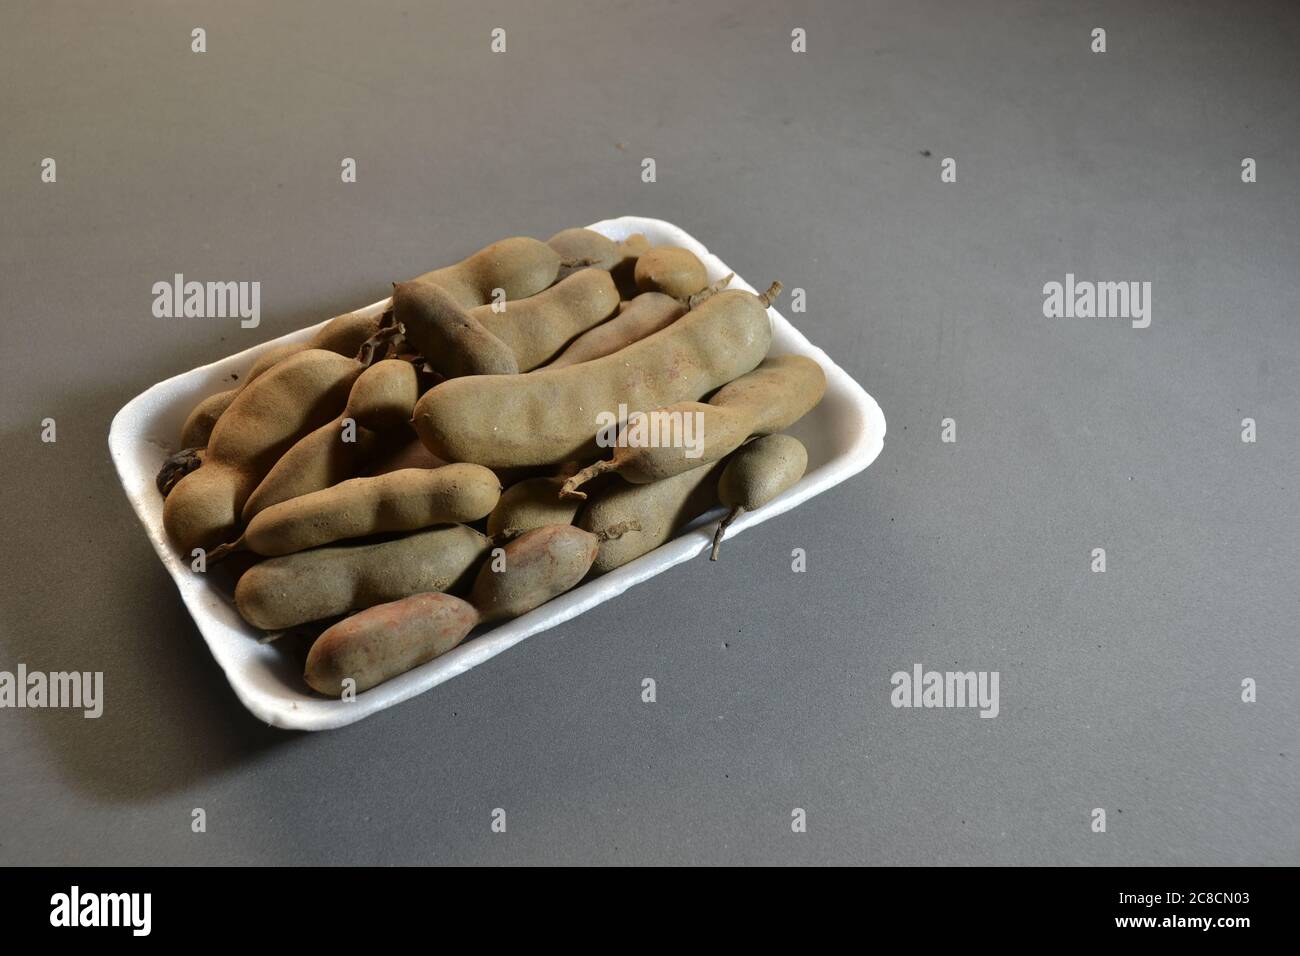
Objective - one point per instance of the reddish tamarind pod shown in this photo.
(384, 641)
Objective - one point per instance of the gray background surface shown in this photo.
(1118, 690)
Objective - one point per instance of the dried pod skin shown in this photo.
(671, 270)
(553, 415)
(399, 501)
(532, 503)
(453, 342)
(539, 565)
(643, 316)
(659, 510)
(381, 642)
(519, 266)
(537, 328)
(312, 585)
(292, 398)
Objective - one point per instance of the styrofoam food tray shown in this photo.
(844, 434)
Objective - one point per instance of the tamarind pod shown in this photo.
(553, 415)
(198, 426)
(686, 435)
(342, 334)
(646, 314)
(593, 249)
(528, 504)
(453, 342)
(624, 271)
(320, 459)
(672, 270)
(536, 567)
(657, 510)
(754, 475)
(312, 585)
(398, 501)
(345, 333)
(519, 266)
(290, 399)
(537, 328)
(382, 397)
(381, 642)
(586, 246)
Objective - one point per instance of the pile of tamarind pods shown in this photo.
(406, 477)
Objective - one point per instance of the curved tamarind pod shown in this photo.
(345, 333)
(385, 640)
(528, 504)
(537, 328)
(342, 334)
(755, 475)
(312, 585)
(405, 500)
(284, 403)
(653, 513)
(538, 565)
(593, 249)
(381, 398)
(646, 314)
(519, 266)
(381, 642)
(453, 342)
(670, 269)
(686, 435)
(506, 337)
(553, 415)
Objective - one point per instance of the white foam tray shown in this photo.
(844, 434)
